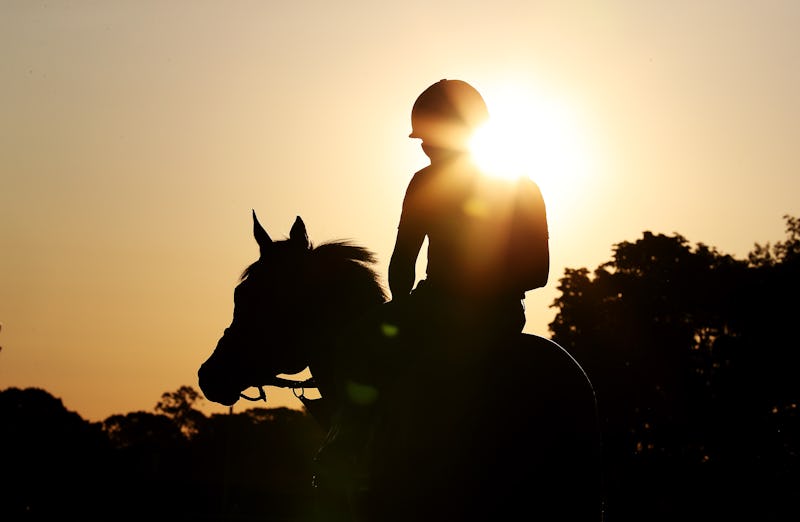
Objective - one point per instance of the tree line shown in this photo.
(173, 464)
(694, 358)
(692, 354)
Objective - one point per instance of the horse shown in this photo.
(439, 428)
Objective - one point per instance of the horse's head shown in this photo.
(283, 306)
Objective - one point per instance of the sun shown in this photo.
(529, 135)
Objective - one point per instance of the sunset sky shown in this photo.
(136, 137)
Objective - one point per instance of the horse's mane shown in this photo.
(355, 260)
(345, 259)
(346, 249)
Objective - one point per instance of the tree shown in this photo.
(782, 252)
(179, 406)
(51, 458)
(255, 464)
(141, 429)
(686, 348)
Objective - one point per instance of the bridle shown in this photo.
(280, 382)
(318, 408)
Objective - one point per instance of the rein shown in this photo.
(281, 383)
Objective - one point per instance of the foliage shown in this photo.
(44, 449)
(786, 252)
(179, 407)
(690, 354)
(254, 464)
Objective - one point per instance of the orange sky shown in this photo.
(135, 138)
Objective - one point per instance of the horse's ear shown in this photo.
(297, 234)
(262, 238)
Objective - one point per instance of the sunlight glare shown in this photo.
(530, 136)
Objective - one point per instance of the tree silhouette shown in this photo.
(695, 380)
(253, 465)
(53, 462)
(256, 463)
(179, 406)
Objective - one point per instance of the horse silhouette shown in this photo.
(421, 425)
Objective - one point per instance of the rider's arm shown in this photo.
(530, 247)
(404, 260)
(410, 236)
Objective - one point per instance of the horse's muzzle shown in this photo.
(217, 378)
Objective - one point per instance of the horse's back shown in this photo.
(510, 428)
(554, 431)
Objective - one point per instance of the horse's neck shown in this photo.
(331, 349)
(321, 367)
(337, 306)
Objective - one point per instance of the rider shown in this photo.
(487, 245)
(487, 237)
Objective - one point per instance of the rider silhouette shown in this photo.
(487, 237)
(468, 419)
